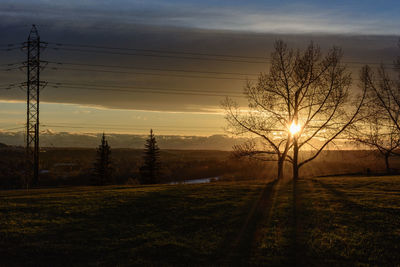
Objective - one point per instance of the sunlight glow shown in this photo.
(294, 128)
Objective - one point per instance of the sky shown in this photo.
(170, 75)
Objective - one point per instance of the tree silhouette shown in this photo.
(378, 131)
(384, 89)
(151, 166)
(380, 128)
(103, 167)
(302, 103)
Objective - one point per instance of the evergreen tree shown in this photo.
(103, 168)
(151, 166)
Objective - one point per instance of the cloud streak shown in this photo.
(241, 28)
(271, 17)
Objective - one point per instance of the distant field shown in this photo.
(75, 166)
(320, 221)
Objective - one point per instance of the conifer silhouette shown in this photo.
(103, 168)
(151, 165)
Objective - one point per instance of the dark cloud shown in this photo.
(257, 16)
(103, 28)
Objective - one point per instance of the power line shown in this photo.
(10, 64)
(208, 55)
(158, 51)
(8, 86)
(163, 74)
(154, 74)
(150, 90)
(143, 91)
(204, 56)
(128, 128)
(151, 69)
(120, 126)
(123, 128)
(155, 55)
(66, 124)
(10, 69)
(90, 85)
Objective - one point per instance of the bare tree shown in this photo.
(378, 132)
(385, 90)
(302, 103)
(381, 127)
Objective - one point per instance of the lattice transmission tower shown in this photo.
(33, 66)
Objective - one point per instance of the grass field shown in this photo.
(320, 221)
(350, 221)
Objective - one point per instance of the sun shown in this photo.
(294, 128)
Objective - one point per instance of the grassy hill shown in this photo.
(314, 222)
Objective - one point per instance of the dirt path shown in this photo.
(240, 249)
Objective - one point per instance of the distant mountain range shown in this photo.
(65, 139)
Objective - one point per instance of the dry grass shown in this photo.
(353, 221)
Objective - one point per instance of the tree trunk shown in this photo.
(280, 168)
(295, 159)
(388, 171)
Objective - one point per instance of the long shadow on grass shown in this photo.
(167, 227)
(297, 249)
(238, 248)
(369, 231)
(352, 205)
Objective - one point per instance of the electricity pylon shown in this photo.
(33, 66)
